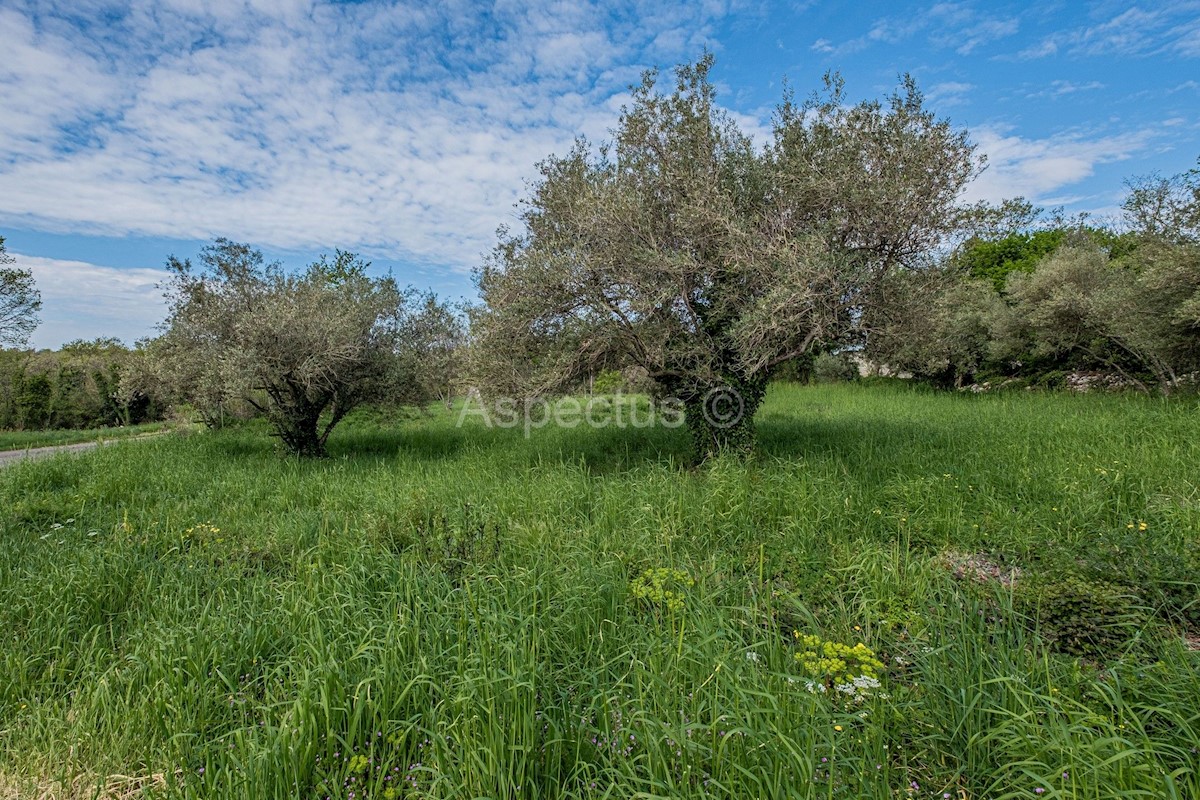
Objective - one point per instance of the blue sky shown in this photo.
(405, 131)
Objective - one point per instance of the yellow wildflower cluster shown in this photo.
(204, 533)
(662, 587)
(834, 663)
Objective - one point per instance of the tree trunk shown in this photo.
(721, 419)
(299, 434)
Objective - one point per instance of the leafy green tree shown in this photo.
(303, 349)
(938, 325)
(681, 248)
(996, 259)
(35, 397)
(1165, 209)
(20, 302)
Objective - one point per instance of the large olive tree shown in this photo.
(304, 349)
(685, 249)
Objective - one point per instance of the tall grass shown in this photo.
(446, 612)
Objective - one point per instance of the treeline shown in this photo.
(1051, 299)
(77, 386)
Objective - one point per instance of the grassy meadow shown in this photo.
(445, 612)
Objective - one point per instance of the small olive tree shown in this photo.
(937, 325)
(682, 248)
(20, 302)
(302, 349)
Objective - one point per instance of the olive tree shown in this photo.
(937, 325)
(436, 342)
(1127, 302)
(1128, 317)
(303, 349)
(20, 302)
(1165, 209)
(682, 248)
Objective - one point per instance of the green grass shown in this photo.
(25, 440)
(451, 609)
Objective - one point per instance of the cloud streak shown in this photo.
(948, 25)
(1170, 29)
(1035, 168)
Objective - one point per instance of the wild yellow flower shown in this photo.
(834, 663)
(662, 587)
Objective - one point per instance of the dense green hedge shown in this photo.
(77, 386)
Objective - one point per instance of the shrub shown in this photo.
(833, 368)
(609, 381)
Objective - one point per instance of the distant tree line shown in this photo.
(1052, 296)
(77, 386)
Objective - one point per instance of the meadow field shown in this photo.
(439, 611)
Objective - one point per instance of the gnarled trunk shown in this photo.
(721, 418)
(300, 434)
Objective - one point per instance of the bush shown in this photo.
(833, 368)
(608, 381)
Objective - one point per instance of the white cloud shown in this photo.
(401, 130)
(983, 32)
(948, 25)
(948, 93)
(1037, 168)
(1044, 48)
(1168, 28)
(80, 299)
(1060, 88)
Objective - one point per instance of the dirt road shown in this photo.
(8, 457)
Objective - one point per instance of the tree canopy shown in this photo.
(303, 349)
(20, 302)
(684, 248)
(1062, 297)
